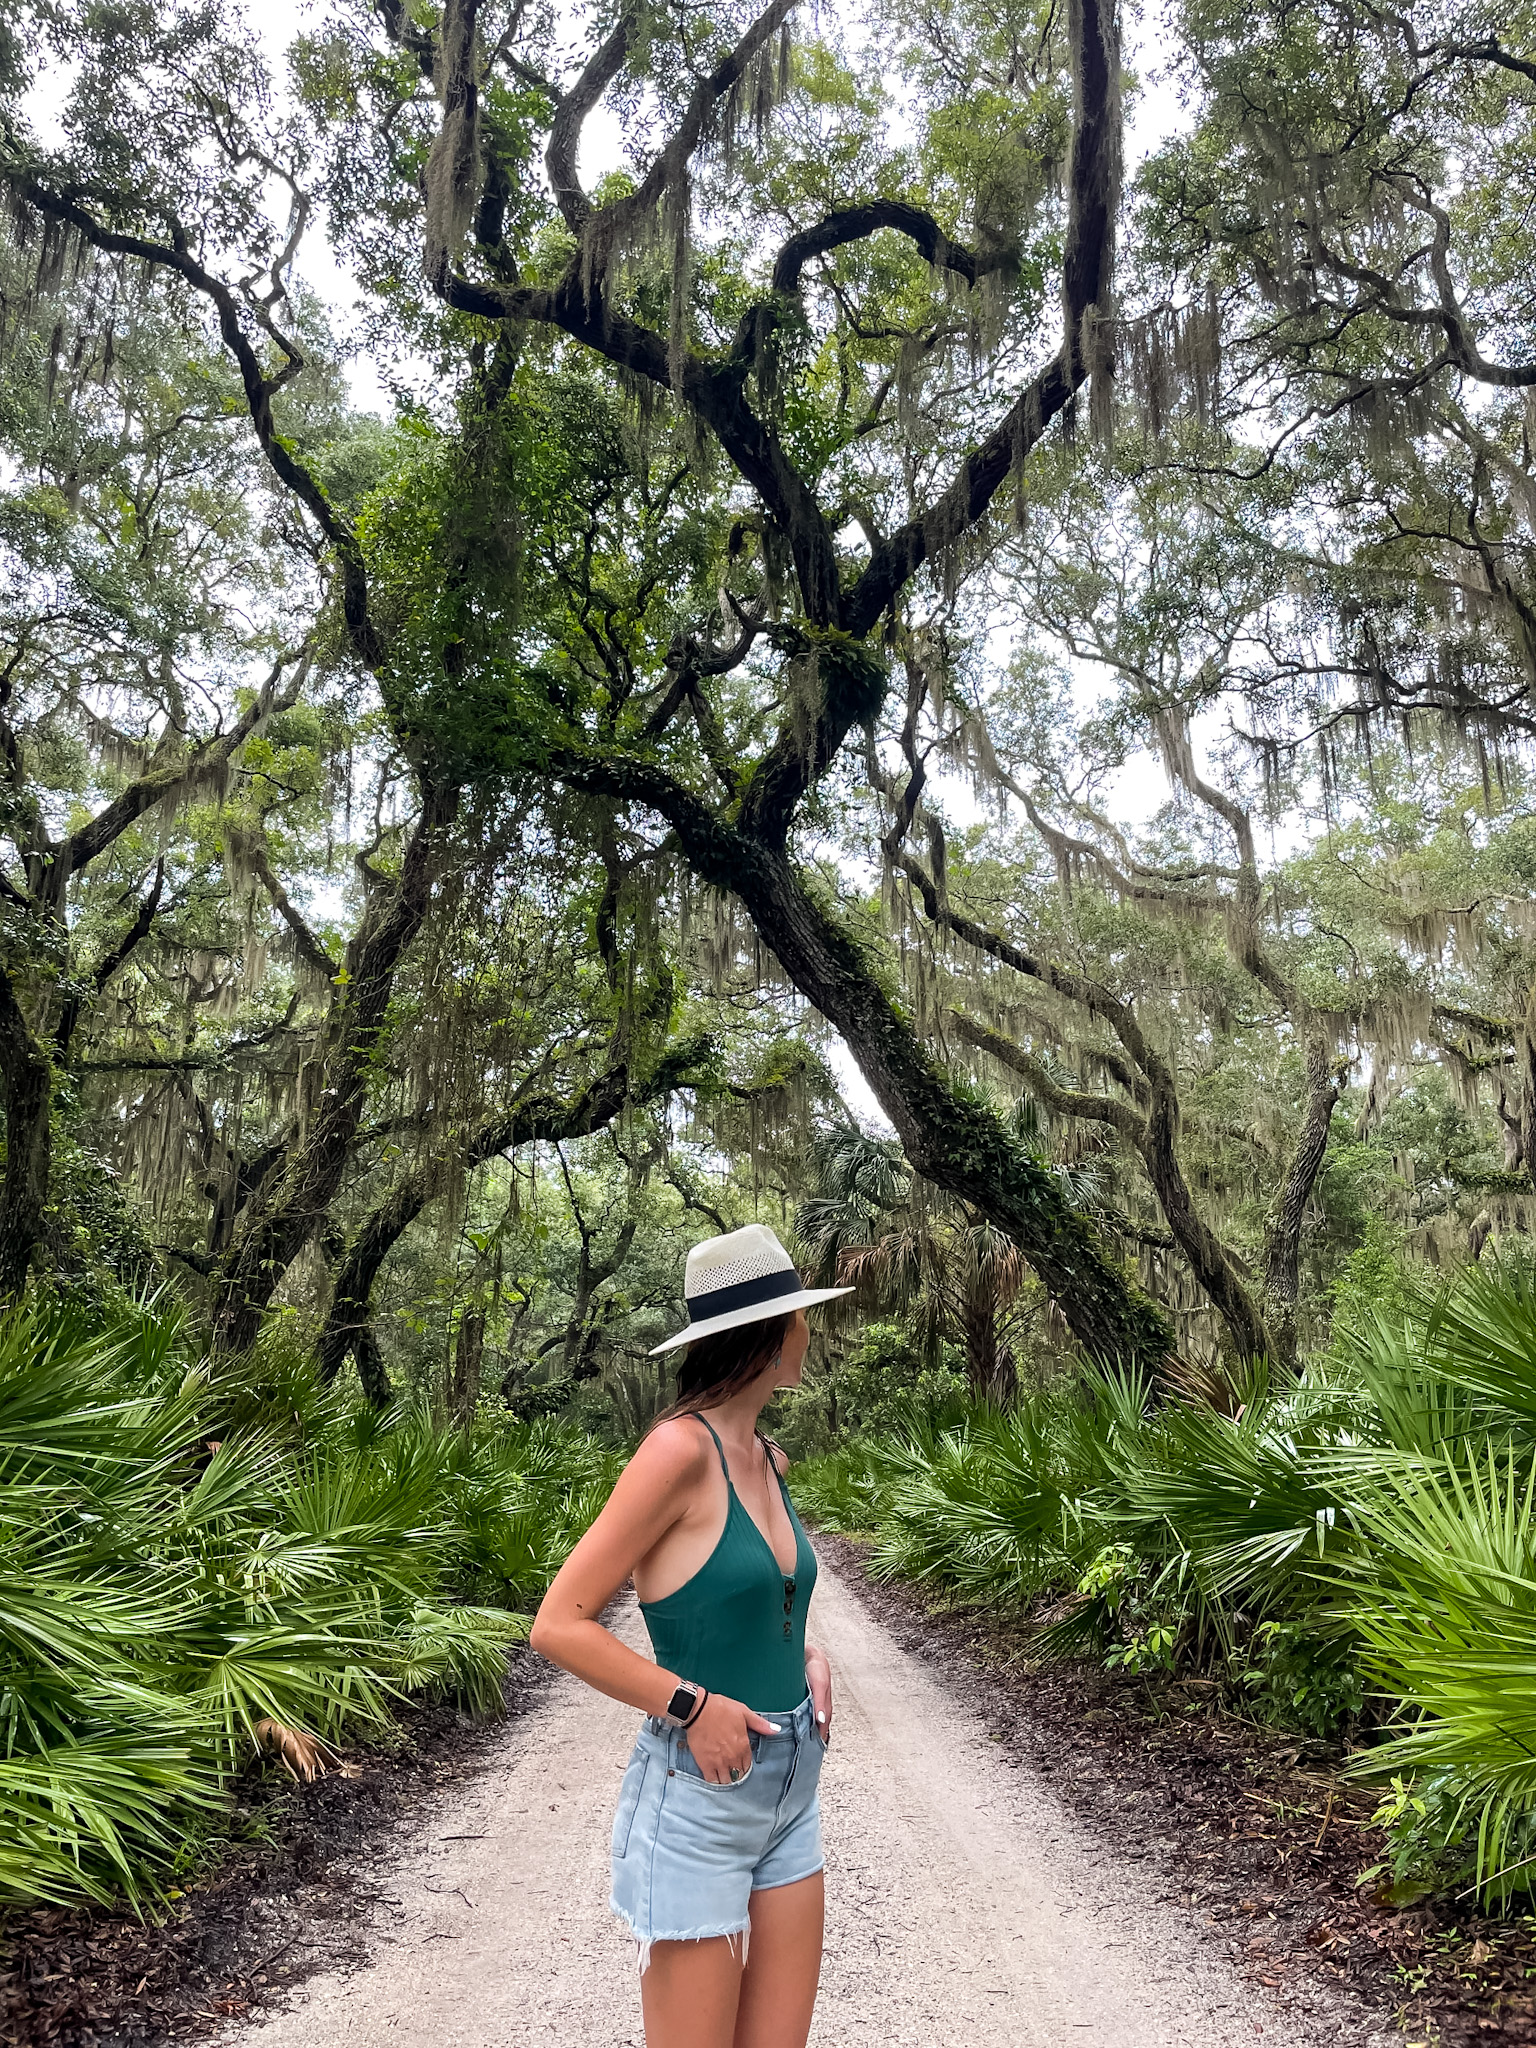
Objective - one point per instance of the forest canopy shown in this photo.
(940, 652)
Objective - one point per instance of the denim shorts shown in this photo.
(688, 1854)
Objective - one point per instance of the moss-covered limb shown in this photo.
(176, 256)
(1093, 194)
(616, 223)
(592, 1270)
(51, 864)
(1156, 1134)
(1151, 1069)
(712, 390)
(1523, 1126)
(1155, 1137)
(26, 1063)
(254, 855)
(1512, 1060)
(847, 224)
(542, 1118)
(1499, 1031)
(560, 156)
(452, 180)
(106, 969)
(580, 304)
(285, 1213)
(1060, 1101)
(953, 1140)
(850, 688)
(837, 619)
(1243, 921)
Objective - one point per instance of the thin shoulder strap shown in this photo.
(720, 1447)
(769, 1447)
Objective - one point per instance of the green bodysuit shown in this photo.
(738, 1625)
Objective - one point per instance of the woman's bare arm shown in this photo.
(651, 1496)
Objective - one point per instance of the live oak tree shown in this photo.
(1119, 976)
(1332, 207)
(698, 458)
(172, 770)
(739, 388)
(129, 689)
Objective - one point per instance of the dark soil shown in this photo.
(281, 1897)
(1251, 1831)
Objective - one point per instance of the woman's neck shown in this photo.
(736, 1419)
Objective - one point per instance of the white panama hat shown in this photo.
(744, 1277)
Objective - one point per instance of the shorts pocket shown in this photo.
(688, 1767)
(629, 1802)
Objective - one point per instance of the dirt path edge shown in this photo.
(286, 1898)
(1249, 1833)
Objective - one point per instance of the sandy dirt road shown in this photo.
(966, 1909)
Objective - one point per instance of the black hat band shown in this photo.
(722, 1301)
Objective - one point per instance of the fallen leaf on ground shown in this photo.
(302, 1756)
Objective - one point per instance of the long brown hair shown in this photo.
(716, 1367)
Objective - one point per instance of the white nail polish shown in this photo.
(774, 1729)
(821, 1717)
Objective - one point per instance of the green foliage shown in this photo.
(1371, 1281)
(1357, 1546)
(184, 1556)
(1301, 520)
(1298, 1676)
(881, 1382)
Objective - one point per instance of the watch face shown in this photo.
(682, 1702)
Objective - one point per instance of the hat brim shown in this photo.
(761, 1312)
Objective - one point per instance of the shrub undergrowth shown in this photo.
(1353, 1549)
(185, 1555)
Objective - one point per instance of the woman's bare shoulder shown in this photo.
(674, 1451)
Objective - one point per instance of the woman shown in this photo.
(717, 1842)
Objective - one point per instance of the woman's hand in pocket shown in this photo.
(720, 1738)
(818, 1680)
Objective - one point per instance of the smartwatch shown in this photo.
(684, 1704)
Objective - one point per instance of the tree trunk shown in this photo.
(951, 1140)
(580, 1335)
(1282, 1251)
(371, 1370)
(1520, 1128)
(287, 1212)
(348, 1324)
(1210, 1261)
(26, 1085)
(468, 1352)
(981, 1355)
(576, 1328)
(978, 1326)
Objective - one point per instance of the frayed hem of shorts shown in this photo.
(780, 1882)
(646, 1942)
